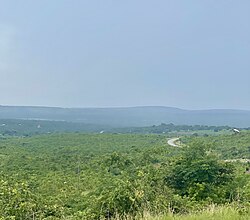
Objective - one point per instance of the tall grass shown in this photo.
(210, 213)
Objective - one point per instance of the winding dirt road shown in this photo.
(172, 142)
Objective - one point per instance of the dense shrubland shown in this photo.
(104, 176)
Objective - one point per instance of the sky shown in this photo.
(188, 54)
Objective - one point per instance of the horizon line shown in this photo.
(117, 107)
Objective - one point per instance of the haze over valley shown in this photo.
(133, 116)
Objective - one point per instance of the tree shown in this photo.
(199, 174)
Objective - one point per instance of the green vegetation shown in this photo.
(18, 127)
(173, 130)
(210, 213)
(200, 175)
(234, 146)
(136, 176)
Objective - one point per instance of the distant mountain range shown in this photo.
(130, 116)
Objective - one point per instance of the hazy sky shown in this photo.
(90, 53)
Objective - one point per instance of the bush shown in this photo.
(200, 175)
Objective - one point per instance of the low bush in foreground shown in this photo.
(211, 213)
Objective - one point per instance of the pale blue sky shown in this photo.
(190, 54)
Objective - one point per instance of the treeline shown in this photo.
(18, 127)
(166, 128)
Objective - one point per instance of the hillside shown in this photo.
(115, 176)
(132, 116)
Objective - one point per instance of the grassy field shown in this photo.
(218, 213)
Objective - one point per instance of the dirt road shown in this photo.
(172, 142)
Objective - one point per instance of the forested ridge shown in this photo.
(20, 127)
(105, 176)
(130, 116)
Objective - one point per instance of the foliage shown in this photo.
(199, 174)
(21, 127)
(212, 212)
(229, 146)
(101, 176)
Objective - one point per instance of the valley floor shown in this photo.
(99, 176)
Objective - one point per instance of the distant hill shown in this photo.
(131, 116)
